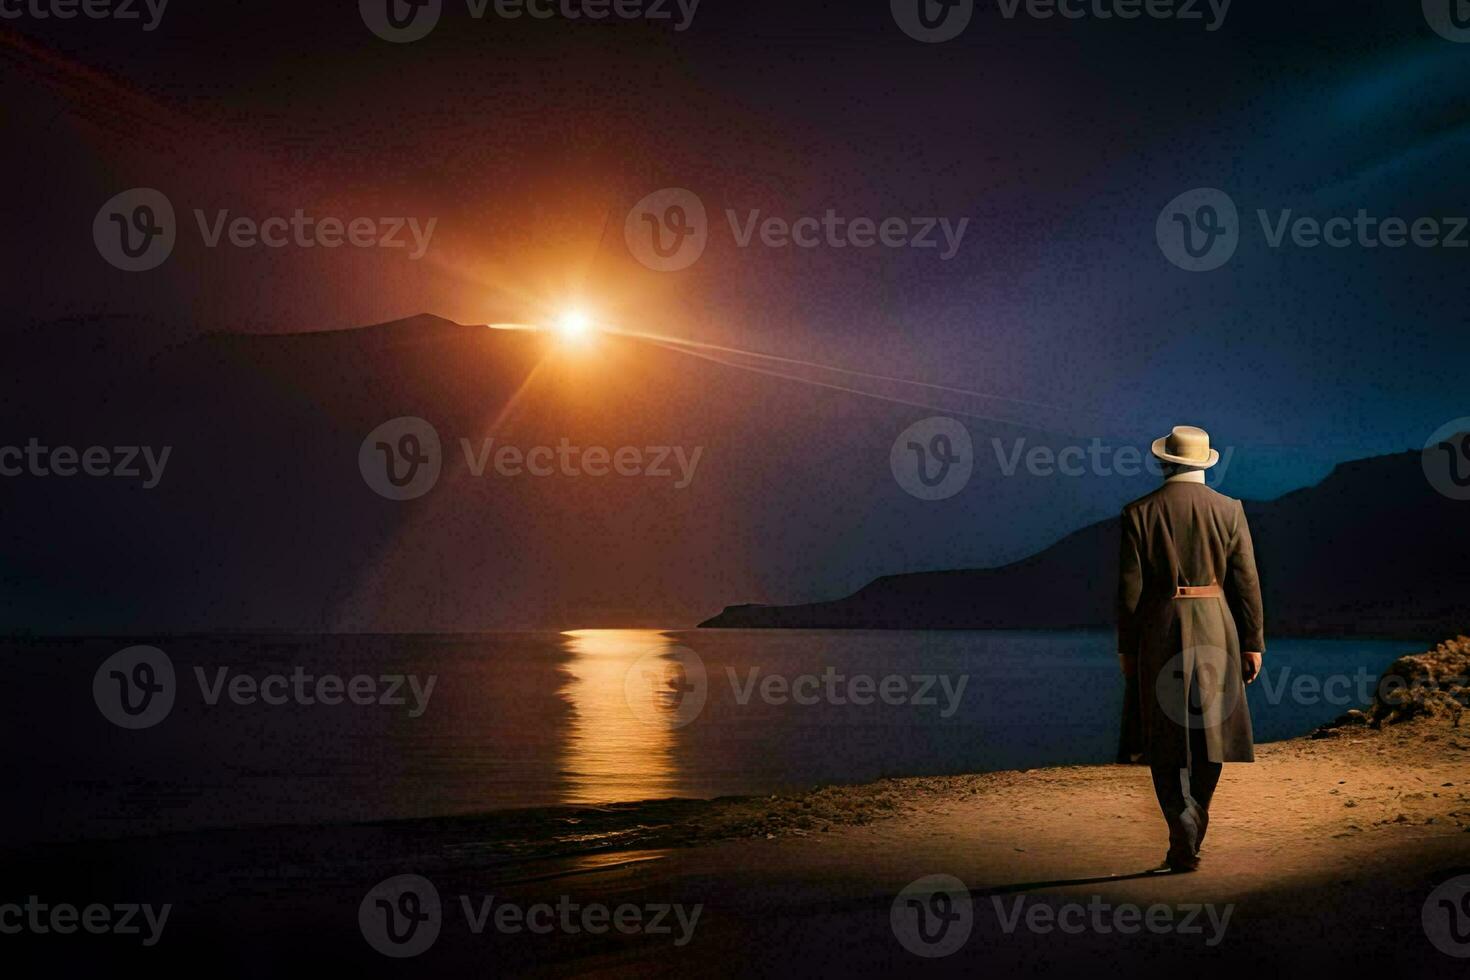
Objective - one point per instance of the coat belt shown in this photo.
(1199, 592)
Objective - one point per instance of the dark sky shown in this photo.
(1059, 140)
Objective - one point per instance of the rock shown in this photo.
(1434, 684)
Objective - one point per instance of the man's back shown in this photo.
(1187, 534)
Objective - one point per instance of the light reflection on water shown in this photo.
(621, 739)
(522, 720)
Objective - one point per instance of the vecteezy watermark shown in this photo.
(1097, 458)
(666, 687)
(64, 919)
(137, 231)
(1342, 690)
(1195, 689)
(148, 12)
(402, 460)
(669, 230)
(1449, 18)
(1446, 917)
(1105, 918)
(136, 688)
(117, 462)
(832, 230)
(1200, 687)
(935, 21)
(932, 21)
(403, 916)
(305, 689)
(1446, 459)
(403, 21)
(933, 916)
(1200, 230)
(933, 459)
(834, 688)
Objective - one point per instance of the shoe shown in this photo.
(1181, 863)
(1202, 822)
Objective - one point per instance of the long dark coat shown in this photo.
(1186, 653)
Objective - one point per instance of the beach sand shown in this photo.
(1327, 848)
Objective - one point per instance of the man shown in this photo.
(1189, 602)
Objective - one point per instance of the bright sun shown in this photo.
(574, 325)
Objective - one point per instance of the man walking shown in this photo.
(1189, 603)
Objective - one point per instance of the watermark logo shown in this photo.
(933, 916)
(401, 21)
(1195, 689)
(933, 21)
(832, 230)
(1449, 18)
(1446, 917)
(121, 10)
(1106, 919)
(401, 916)
(936, 21)
(832, 687)
(135, 231)
(668, 230)
(666, 687)
(1446, 459)
(401, 458)
(63, 919)
(933, 459)
(674, 463)
(309, 231)
(1097, 458)
(1199, 230)
(121, 462)
(135, 687)
(571, 917)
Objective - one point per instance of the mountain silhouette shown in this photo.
(1371, 550)
(263, 520)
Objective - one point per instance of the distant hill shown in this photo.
(263, 521)
(1372, 549)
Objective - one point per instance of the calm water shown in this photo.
(518, 720)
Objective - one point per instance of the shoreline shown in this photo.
(675, 822)
(520, 833)
(1435, 680)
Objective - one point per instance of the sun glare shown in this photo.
(574, 326)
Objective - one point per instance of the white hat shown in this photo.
(1187, 446)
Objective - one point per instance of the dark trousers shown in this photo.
(1184, 796)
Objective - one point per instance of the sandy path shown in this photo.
(1327, 851)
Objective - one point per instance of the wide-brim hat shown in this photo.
(1187, 445)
